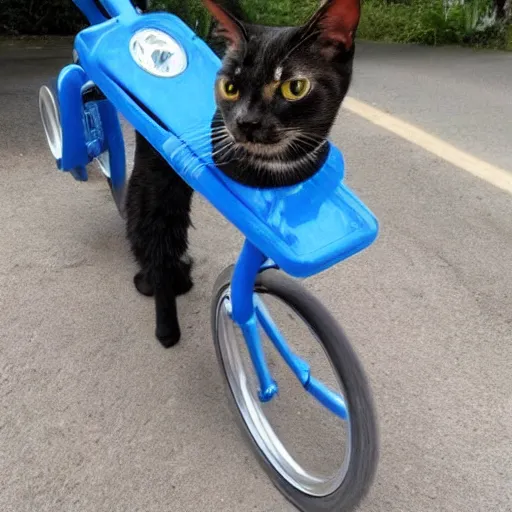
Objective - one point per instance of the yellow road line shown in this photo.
(490, 173)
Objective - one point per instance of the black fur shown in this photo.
(158, 219)
(251, 67)
(158, 200)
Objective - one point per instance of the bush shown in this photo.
(433, 22)
(469, 22)
(270, 12)
(282, 12)
(40, 17)
(190, 11)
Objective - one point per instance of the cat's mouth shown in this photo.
(275, 145)
(283, 146)
(266, 149)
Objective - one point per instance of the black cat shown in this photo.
(158, 219)
(278, 94)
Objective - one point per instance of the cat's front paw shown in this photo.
(168, 337)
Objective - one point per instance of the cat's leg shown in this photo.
(158, 208)
(168, 330)
(177, 225)
(170, 264)
(142, 279)
(143, 284)
(170, 280)
(182, 278)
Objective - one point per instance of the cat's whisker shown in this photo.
(219, 154)
(198, 140)
(202, 128)
(205, 130)
(306, 135)
(219, 131)
(205, 136)
(221, 136)
(213, 140)
(196, 135)
(222, 149)
(226, 136)
(297, 130)
(221, 141)
(201, 144)
(295, 149)
(311, 157)
(221, 146)
(315, 139)
(310, 145)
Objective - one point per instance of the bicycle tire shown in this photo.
(364, 429)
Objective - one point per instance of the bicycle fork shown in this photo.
(249, 312)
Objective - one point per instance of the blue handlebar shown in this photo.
(304, 229)
(98, 11)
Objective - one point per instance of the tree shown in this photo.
(40, 17)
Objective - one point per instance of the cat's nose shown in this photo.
(248, 127)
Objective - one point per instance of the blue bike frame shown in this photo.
(248, 310)
(302, 229)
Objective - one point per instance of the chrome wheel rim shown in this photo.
(254, 417)
(50, 117)
(118, 193)
(104, 163)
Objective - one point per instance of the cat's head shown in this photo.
(279, 91)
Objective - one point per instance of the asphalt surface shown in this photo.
(96, 417)
(459, 95)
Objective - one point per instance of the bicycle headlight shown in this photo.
(158, 53)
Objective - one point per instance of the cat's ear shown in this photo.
(228, 28)
(336, 22)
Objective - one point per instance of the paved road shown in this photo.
(462, 96)
(96, 417)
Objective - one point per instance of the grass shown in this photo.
(39, 17)
(430, 22)
(279, 12)
(267, 12)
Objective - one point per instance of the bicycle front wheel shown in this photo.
(331, 466)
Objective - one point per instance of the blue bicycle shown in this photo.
(142, 66)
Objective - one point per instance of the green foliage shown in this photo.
(429, 22)
(279, 12)
(402, 21)
(432, 22)
(40, 17)
(190, 11)
(269, 12)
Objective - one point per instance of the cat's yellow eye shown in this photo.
(228, 90)
(293, 90)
